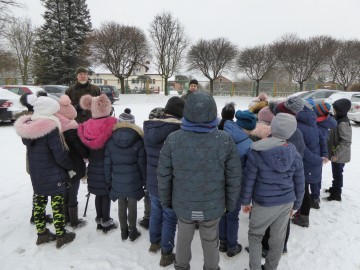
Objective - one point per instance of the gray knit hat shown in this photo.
(294, 104)
(126, 116)
(283, 126)
(200, 107)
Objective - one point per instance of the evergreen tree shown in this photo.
(61, 45)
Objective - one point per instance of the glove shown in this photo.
(72, 173)
(108, 186)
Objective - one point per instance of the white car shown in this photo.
(10, 105)
(354, 113)
(317, 95)
(340, 95)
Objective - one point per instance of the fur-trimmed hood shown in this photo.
(33, 129)
(157, 130)
(261, 130)
(126, 134)
(94, 133)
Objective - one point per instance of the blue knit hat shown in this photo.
(245, 119)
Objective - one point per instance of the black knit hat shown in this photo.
(81, 69)
(175, 107)
(342, 106)
(228, 112)
(193, 81)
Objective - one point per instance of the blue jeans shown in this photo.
(229, 227)
(162, 226)
(337, 172)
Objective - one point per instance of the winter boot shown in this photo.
(98, 222)
(223, 246)
(65, 238)
(167, 258)
(75, 222)
(301, 220)
(124, 234)
(155, 247)
(315, 203)
(329, 190)
(134, 234)
(334, 196)
(144, 223)
(109, 225)
(45, 237)
(235, 251)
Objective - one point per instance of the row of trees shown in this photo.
(66, 40)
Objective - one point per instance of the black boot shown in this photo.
(301, 220)
(144, 223)
(235, 251)
(134, 234)
(124, 234)
(315, 203)
(329, 190)
(75, 222)
(223, 246)
(335, 196)
(45, 237)
(65, 238)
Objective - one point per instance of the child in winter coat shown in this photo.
(339, 147)
(325, 122)
(78, 152)
(227, 113)
(125, 167)
(49, 164)
(94, 133)
(273, 180)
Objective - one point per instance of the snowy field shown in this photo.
(331, 242)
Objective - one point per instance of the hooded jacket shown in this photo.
(94, 134)
(273, 175)
(49, 162)
(125, 162)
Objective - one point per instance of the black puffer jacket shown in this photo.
(125, 162)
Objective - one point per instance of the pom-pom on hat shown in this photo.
(322, 109)
(265, 115)
(126, 116)
(193, 81)
(294, 104)
(245, 119)
(283, 126)
(99, 106)
(175, 107)
(81, 70)
(66, 109)
(43, 105)
(228, 112)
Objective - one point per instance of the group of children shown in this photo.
(281, 150)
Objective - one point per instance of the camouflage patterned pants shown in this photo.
(57, 205)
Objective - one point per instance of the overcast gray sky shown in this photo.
(244, 22)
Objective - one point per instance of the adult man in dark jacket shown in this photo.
(80, 88)
(199, 174)
(193, 87)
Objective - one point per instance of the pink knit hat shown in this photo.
(263, 97)
(265, 115)
(66, 109)
(99, 106)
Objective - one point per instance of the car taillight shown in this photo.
(356, 108)
(6, 104)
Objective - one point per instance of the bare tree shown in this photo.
(21, 37)
(7, 62)
(302, 57)
(6, 16)
(256, 62)
(169, 43)
(120, 48)
(345, 63)
(212, 57)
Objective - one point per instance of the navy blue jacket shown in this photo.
(125, 162)
(155, 134)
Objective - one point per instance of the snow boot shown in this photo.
(65, 238)
(235, 251)
(124, 234)
(108, 225)
(335, 196)
(301, 220)
(45, 237)
(144, 223)
(75, 222)
(223, 246)
(167, 258)
(155, 247)
(98, 222)
(134, 234)
(315, 203)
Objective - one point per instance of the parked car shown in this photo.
(354, 113)
(56, 90)
(10, 105)
(21, 89)
(316, 95)
(110, 91)
(341, 94)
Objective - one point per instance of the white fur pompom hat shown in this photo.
(99, 106)
(43, 105)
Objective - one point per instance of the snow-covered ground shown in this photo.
(331, 242)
